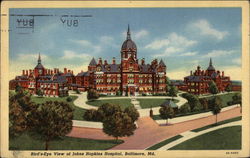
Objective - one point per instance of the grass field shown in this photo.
(228, 138)
(224, 97)
(122, 102)
(165, 142)
(218, 123)
(78, 112)
(147, 103)
(26, 142)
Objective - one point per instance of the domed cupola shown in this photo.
(211, 67)
(128, 47)
(128, 43)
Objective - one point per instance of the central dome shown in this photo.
(128, 43)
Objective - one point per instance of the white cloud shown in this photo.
(177, 74)
(217, 53)
(158, 44)
(140, 34)
(205, 28)
(189, 54)
(88, 46)
(106, 39)
(68, 54)
(173, 44)
(237, 61)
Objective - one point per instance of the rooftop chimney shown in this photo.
(65, 70)
(113, 61)
(105, 62)
(26, 72)
(23, 72)
(100, 61)
(191, 73)
(222, 73)
(143, 61)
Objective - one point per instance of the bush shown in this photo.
(92, 94)
(118, 93)
(144, 94)
(184, 108)
(69, 99)
(91, 115)
(132, 112)
(77, 91)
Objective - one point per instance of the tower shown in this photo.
(210, 68)
(129, 48)
(39, 69)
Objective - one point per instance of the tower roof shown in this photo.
(128, 43)
(210, 67)
(92, 62)
(39, 63)
(162, 63)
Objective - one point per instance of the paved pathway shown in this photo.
(81, 100)
(87, 124)
(189, 134)
(149, 132)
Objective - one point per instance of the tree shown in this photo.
(52, 120)
(20, 108)
(18, 88)
(213, 88)
(237, 99)
(107, 109)
(184, 108)
(39, 92)
(91, 115)
(132, 112)
(228, 88)
(69, 99)
(166, 112)
(92, 94)
(168, 83)
(119, 125)
(216, 108)
(173, 91)
(204, 103)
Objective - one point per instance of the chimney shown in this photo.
(65, 70)
(143, 61)
(23, 72)
(72, 72)
(191, 73)
(54, 70)
(113, 61)
(26, 72)
(105, 62)
(222, 73)
(100, 61)
(68, 71)
(51, 72)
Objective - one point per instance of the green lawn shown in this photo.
(147, 103)
(219, 123)
(224, 97)
(165, 142)
(26, 142)
(228, 138)
(122, 102)
(78, 112)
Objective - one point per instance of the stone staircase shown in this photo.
(135, 102)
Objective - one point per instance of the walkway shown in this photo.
(189, 134)
(149, 132)
(81, 100)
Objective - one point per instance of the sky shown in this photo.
(182, 37)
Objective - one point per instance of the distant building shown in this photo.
(129, 77)
(198, 82)
(50, 82)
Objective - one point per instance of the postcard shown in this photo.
(125, 79)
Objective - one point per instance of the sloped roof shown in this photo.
(92, 62)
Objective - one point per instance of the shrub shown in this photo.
(118, 93)
(69, 99)
(144, 94)
(90, 115)
(92, 94)
(184, 108)
(77, 91)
